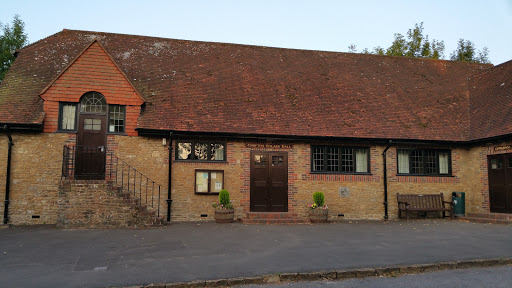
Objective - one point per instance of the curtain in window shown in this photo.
(361, 160)
(443, 162)
(403, 162)
(68, 117)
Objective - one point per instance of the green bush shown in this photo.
(319, 198)
(224, 197)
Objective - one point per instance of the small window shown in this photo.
(497, 163)
(116, 118)
(200, 151)
(209, 181)
(92, 124)
(424, 162)
(93, 102)
(67, 116)
(337, 159)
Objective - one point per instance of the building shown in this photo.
(270, 125)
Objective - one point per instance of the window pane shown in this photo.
(67, 121)
(277, 161)
(361, 160)
(201, 181)
(333, 159)
(260, 160)
(318, 158)
(216, 178)
(217, 152)
(88, 124)
(93, 102)
(417, 162)
(184, 151)
(430, 162)
(116, 118)
(444, 158)
(403, 161)
(347, 160)
(201, 151)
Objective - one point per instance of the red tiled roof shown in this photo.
(215, 87)
(491, 102)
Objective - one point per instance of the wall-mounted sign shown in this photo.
(501, 148)
(268, 146)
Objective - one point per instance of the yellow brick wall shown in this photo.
(37, 160)
(35, 173)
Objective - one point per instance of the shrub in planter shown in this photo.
(318, 211)
(224, 212)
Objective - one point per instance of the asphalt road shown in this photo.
(493, 277)
(186, 252)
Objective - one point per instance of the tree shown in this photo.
(352, 48)
(466, 52)
(12, 38)
(417, 45)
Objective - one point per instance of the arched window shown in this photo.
(93, 102)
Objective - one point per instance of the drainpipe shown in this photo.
(386, 181)
(169, 200)
(8, 175)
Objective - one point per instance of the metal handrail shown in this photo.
(130, 180)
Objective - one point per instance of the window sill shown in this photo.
(114, 133)
(340, 173)
(206, 193)
(425, 175)
(66, 131)
(199, 161)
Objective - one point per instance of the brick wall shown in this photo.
(96, 204)
(35, 173)
(37, 167)
(92, 71)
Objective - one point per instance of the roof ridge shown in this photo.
(402, 58)
(42, 39)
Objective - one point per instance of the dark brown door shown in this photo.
(500, 183)
(269, 181)
(91, 147)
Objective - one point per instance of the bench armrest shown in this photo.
(403, 202)
(448, 202)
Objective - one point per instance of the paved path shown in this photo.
(184, 252)
(495, 277)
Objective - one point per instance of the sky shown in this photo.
(313, 25)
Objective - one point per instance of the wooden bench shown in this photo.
(423, 203)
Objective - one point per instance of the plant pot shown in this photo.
(224, 215)
(318, 215)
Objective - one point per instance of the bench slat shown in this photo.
(423, 203)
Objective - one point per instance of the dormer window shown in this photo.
(93, 102)
(116, 118)
(67, 116)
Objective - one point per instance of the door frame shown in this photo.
(503, 191)
(269, 183)
(90, 161)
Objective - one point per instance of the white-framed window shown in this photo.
(340, 159)
(426, 162)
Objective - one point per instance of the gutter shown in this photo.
(386, 181)
(169, 200)
(8, 175)
(277, 137)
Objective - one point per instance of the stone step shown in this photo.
(486, 220)
(270, 215)
(491, 215)
(275, 221)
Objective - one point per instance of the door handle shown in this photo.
(101, 148)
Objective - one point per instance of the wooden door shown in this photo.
(91, 147)
(500, 183)
(269, 182)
